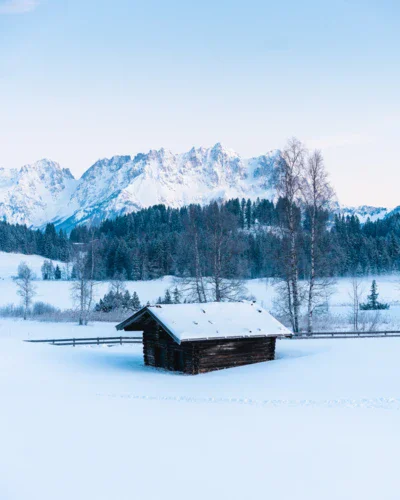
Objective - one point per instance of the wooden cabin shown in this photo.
(198, 338)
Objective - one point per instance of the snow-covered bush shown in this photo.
(41, 308)
(11, 311)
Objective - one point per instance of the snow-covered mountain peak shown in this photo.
(32, 194)
(366, 212)
(123, 184)
(105, 165)
(45, 169)
(45, 192)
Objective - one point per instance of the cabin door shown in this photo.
(179, 361)
(160, 357)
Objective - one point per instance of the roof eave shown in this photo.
(236, 337)
(139, 314)
(131, 319)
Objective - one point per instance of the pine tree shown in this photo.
(167, 297)
(127, 300)
(242, 213)
(57, 273)
(372, 303)
(248, 213)
(373, 298)
(176, 296)
(136, 305)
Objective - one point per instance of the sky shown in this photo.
(86, 79)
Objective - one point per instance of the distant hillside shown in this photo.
(9, 263)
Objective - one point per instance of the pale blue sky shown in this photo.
(84, 79)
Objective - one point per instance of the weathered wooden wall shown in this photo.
(220, 354)
(155, 337)
(201, 356)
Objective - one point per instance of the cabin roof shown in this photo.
(213, 320)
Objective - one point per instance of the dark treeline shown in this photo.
(250, 236)
(247, 237)
(49, 243)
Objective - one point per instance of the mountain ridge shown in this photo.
(46, 192)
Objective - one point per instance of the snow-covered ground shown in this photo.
(58, 293)
(9, 263)
(93, 423)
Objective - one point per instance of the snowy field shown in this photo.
(58, 293)
(85, 423)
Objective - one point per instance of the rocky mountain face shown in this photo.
(46, 192)
(31, 195)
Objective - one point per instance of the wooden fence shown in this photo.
(90, 341)
(138, 340)
(345, 335)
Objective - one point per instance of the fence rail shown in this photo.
(89, 341)
(346, 335)
(138, 340)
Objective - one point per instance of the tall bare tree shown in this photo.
(289, 182)
(26, 288)
(317, 195)
(222, 246)
(117, 284)
(83, 287)
(194, 287)
(356, 293)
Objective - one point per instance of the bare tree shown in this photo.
(356, 293)
(369, 321)
(193, 286)
(198, 283)
(83, 287)
(283, 300)
(212, 253)
(117, 284)
(67, 270)
(289, 183)
(222, 283)
(218, 241)
(26, 288)
(229, 290)
(317, 196)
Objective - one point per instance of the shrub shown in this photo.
(41, 308)
(114, 301)
(12, 311)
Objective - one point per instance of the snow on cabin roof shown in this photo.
(213, 320)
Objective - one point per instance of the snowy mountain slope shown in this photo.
(366, 212)
(44, 192)
(123, 184)
(32, 194)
